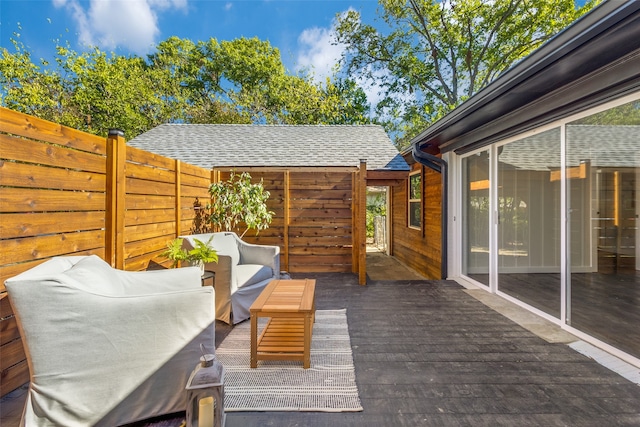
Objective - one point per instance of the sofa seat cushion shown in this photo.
(250, 274)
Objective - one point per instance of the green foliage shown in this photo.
(238, 81)
(377, 208)
(238, 202)
(202, 253)
(622, 115)
(436, 54)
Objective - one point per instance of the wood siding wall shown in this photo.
(66, 192)
(419, 249)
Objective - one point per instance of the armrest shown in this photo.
(224, 285)
(260, 254)
(158, 281)
(222, 269)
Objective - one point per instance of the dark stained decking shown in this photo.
(427, 353)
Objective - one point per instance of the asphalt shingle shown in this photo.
(215, 145)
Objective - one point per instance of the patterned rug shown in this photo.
(329, 385)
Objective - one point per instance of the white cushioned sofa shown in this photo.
(242, 271)
(107, 347)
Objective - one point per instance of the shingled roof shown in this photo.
(216, 145)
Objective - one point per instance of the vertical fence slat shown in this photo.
(286, 203)
(178, 199)
(115, 206)
(362, 229)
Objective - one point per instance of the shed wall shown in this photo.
(420, 249)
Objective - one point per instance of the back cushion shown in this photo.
(226, 244)
(95, 275)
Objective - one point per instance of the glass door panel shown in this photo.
(529, 236)
(603, 170)
(475, 195)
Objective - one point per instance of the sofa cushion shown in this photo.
(250, 274)
(94, 275)
(226, 244)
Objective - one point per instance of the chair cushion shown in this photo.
(250, 274)
(226, 244)
(94, 275)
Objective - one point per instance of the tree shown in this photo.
(91, 91)
(251, 76)
(238, 81)
(193, 95)
(236, 202)
(439, 53)
(27, 87)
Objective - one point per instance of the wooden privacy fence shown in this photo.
(66, 192)
(317, 221)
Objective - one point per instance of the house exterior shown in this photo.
(538, 178)
(317, 176)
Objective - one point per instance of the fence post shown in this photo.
(215, 178)
(362, 223)
(287, 220)
(114, 209)
(178, 202)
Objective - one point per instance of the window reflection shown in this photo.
(529, 220)
(603, 221)
(476, 227)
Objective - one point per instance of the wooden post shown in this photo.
(115, 203)
(215, 178)
(354, 221)
(362, 223)
(287, 198)
(178, 201)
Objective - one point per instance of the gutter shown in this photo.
(439, 165)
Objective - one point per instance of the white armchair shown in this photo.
(108, 347)
(242, 272)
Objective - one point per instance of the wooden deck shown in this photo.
(427, 353)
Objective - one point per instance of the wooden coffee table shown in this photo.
(290, 306)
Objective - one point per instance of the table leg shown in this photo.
(254, 341)
(308, 325)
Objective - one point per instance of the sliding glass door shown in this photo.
(603, 167)
(551, 219)
(528, 228)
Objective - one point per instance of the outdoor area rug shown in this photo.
(329, 385)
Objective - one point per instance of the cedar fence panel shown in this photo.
(56, 185)
(313, 216)
(65, 192)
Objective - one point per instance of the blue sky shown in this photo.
(301, 29)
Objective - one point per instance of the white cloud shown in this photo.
(319, 53)
(228, 6)
(110, 24)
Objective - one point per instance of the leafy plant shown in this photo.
(201, 253)
(237, 202)
(376, 208)
(200, 219)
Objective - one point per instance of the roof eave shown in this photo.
(605, 35)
